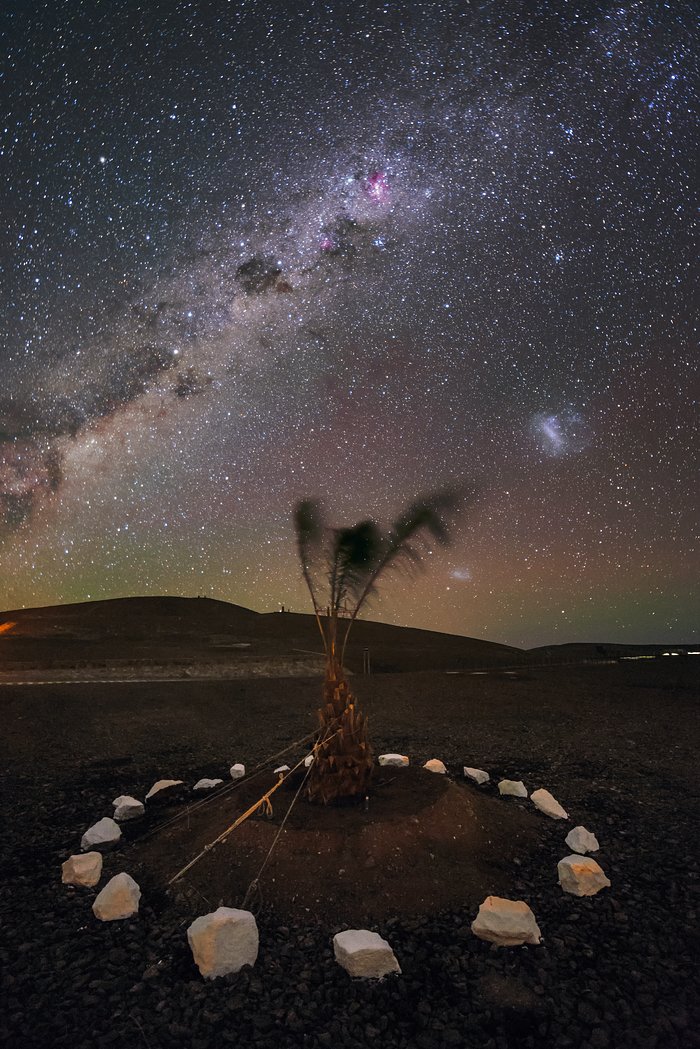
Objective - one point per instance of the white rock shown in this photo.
(308, 760)
(393, 760)
(162, 784)
(127, 808)
(478, 775)
(516, 787)
(207, 784)
(581, 840)
(581, 875)
(435, 765)
(119, 899)
(104, 832)
(237, 771)
(282, 768)
(223, 941)
(364, 953)
(507, 923)
(544, 801)
(83, 869)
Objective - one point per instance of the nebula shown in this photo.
(283, 253)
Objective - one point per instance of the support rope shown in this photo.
(226, 790)
(253, 887)
(263, 801)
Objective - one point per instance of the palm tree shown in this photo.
(341, 568)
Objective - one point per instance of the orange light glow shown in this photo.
(5, 627)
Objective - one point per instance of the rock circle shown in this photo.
(364, 954)
(105, 832)
(223, 941)
(118, 900)
(507, 923)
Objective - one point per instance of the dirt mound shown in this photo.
(421, 845)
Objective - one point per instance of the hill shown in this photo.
(188, 632)
(580, 651)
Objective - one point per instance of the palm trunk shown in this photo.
(343, 757)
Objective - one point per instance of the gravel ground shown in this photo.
(617, 745)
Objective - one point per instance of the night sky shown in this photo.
(253, 252)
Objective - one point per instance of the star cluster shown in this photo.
(256, 251)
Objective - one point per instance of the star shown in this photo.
(354, 258)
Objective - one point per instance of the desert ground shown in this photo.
(616, 744)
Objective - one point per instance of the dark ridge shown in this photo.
(186, 630)
(611, 650)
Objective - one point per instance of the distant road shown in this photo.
(248, 669)
(186, 680)
(18, 682)
(112, 681)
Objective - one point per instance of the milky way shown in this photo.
(265, 251)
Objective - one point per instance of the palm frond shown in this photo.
(432, 515)
(355, 552)
(355, 558)
(308, 523)
(310, 530)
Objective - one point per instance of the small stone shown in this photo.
(507, 923)
(581, 875)
(119, 899)
(308, 760)
(282, 768)
(515, 787)
(237, 771)
(435, 765)
(364, 953)
(105, 832)
(393, 760)
(546, 803)
(581, 840)
(162, 784)
(84, 869)
(127, 808)
(587, 1012)
(478, 775)
(207, 784)
(223, 942)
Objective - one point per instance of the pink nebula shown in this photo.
(376, 186)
